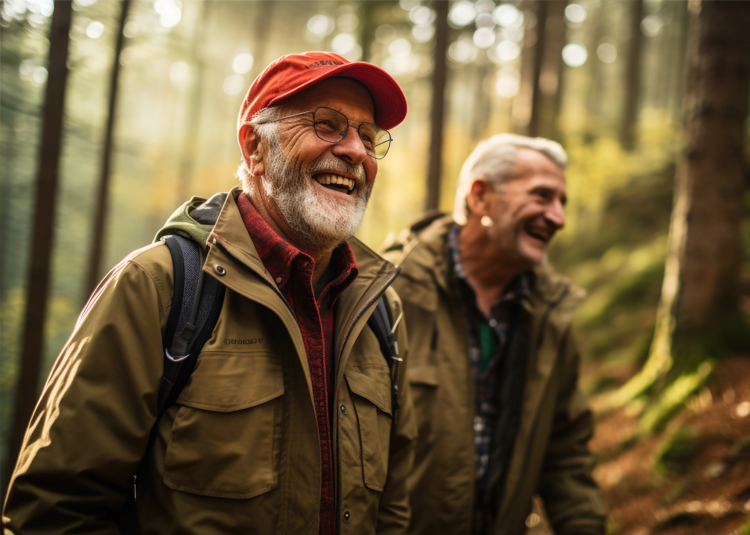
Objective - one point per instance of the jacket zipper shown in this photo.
(336, 372)
(338, 360)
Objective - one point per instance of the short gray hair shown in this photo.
(263, 129)
(493, 158)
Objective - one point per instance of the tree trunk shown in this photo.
(542, 10)
(192, 128)
(437, 110)
(367, 28)
(551, 82)
(264, 10)
(710, 174)
(699, 292)
(44, 210)
(96, 251)
(632, 78)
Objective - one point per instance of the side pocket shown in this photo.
(225, 437)
(371, 389)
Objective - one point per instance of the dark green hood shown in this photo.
(195, 219)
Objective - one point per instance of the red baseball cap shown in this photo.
(293, 73)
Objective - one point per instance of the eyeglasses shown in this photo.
(331, 126)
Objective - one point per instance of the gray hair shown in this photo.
(493, 158)
(263, 129)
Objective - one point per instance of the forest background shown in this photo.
(150, 104)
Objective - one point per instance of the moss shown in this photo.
(672, 399)
(675, 452)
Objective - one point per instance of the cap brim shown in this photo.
(390, 102)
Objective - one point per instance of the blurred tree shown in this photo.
(367, 25)
(632, 77)
(44, 210)
(547, 106)
(437, 110)
(264, 14)
(698, 315)
(101, 202)
(192, 124)
(537, 53)
(595, 74)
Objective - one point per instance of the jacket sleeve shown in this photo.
(573, 501)
(92, 423)
(394, 511)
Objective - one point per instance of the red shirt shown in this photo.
(293, 271)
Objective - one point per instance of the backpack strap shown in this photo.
(380, 323)
(196, 306)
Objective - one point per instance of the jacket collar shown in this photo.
(232, 249)
(429, 263)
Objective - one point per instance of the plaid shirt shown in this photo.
(293, 271)
(487, 343)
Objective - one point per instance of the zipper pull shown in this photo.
(135, 496)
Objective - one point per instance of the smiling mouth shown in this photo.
(336, 182)
(542, 234)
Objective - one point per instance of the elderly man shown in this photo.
(493, 364)
(286, 424)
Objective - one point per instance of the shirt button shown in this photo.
(220, 270)
(278, 280)
(343, 408)
(493, 323)
(347, 516)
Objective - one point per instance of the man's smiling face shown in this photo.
(529, 208)
(320, 189)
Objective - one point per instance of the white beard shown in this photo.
(320, 220)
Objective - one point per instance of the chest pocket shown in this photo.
(371, 389)
(225, 437)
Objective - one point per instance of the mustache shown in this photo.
(328, 162)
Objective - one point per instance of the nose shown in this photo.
(555, 214)
(351, 147)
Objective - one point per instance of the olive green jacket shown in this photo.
(549, 456)
(239, 452)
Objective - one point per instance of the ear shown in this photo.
(480, 197)
(253, 150)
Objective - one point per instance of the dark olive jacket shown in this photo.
(549, 456)
(239, 452)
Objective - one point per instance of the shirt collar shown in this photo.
(283, 260)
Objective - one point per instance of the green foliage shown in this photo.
(744, 530)
(673, 398)
(676, 451)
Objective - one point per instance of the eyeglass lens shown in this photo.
(331, 125)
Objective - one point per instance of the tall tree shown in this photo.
(437, 109)
(550, 82)
(96, 251)
(537, 55)
(632, 77)
(44, 212)
(699, 299)
(192, 127)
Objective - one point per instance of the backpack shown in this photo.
(196, 305)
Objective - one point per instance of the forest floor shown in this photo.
(692, 478)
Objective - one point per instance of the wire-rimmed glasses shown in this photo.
(331, 126)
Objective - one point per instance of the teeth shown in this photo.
(327, 178)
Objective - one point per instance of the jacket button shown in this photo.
(220, 270)
(347, 516)
(343, 408)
